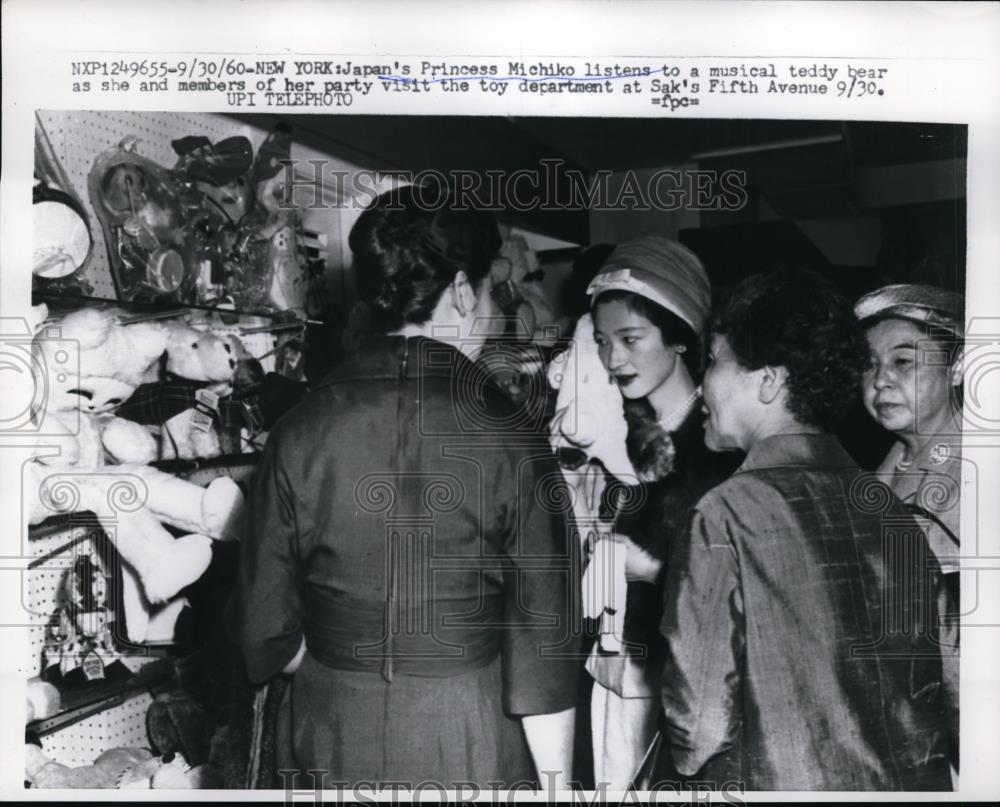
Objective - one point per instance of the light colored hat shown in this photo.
(661, 270)
(928, 305)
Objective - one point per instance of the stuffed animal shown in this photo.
(118, 768)
(43, 700)
(78, 465)
(42, 772)
(107, 349)
(589, 412)
(590, 421)
(204, 357)
(200, 355)
(275, 248)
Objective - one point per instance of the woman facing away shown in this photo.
(398, 563)
(649, 303)
(913, 390)
(799, 614)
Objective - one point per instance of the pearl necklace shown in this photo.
(678, 415)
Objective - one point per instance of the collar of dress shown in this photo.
(797, 450)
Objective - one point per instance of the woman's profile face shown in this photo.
(631, 349)
(902, 390)
(728, 399)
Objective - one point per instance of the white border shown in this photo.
(946, 54)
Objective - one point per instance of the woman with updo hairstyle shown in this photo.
(400, 563)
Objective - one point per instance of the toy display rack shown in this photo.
(103, 716)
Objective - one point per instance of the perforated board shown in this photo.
(40, 587)
(121, 726)
(78, 136)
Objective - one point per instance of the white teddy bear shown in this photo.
(88, 459)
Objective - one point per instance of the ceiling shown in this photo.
(803, 169)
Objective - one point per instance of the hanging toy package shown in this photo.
(272, 269)
(211, 230)
(78, 646)
(155, 250)
(216, 178)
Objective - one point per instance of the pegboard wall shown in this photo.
(78, 136)
(121, 726)
(54, 556)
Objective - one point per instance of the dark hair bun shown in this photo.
(406, 254)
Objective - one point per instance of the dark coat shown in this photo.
(678, 470)
(675, 469)
(401, 526)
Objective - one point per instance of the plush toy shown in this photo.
(200, 355)
(108, 349)
(87, 459)
(119, 768)
(274, 248)
(41, 772)
(205, 357)
(589, 412)
(590, 422)
(169, 772)
(43, 700)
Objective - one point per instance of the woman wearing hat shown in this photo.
(913, 390)
(649, 305)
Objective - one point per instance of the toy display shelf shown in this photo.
(256, 331)
(92, 699)
(202, 471)
(167, 308)
(109, 714)
(55, 543)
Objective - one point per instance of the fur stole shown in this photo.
(650, 447)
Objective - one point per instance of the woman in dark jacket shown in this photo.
(650, 301)
(799, 613)
(398, 562)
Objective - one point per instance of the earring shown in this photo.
(681, 348)
(611, 379)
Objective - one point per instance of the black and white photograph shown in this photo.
(518, 453)
(592, 505)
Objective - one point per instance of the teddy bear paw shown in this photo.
(186, 561)
(222, 509)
